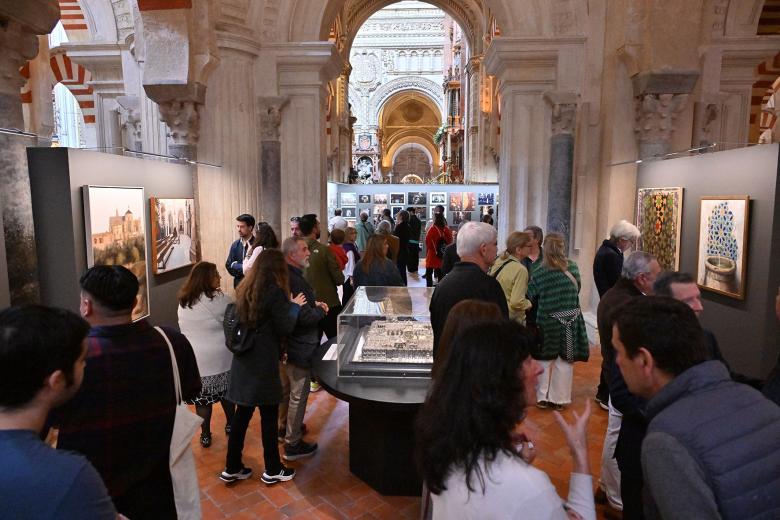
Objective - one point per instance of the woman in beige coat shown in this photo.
(513, 276)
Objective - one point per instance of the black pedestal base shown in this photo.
(381, 447)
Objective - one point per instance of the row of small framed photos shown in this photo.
(422, 212)
(458, 201)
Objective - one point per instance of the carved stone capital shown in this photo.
(705, 115)
(183, 120)
(269, 116)
(655, 115)
(564, 111)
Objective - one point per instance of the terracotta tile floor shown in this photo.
(323, 486)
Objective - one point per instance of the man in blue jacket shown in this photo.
(234, 264)
(712, 448)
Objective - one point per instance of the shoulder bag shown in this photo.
(184, 476)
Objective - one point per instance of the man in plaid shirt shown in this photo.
(122, 418)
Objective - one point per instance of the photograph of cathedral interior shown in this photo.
(477, 259)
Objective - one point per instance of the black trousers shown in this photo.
(631, 495)
(429, 272)
(347, 294)
(401, 266)
(413, 259)
(151, 498)
(328, 324)
(269, 416)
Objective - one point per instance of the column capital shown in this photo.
(307, 64)
(102, 60)
(183, 120)
(474, 64)
(269, 115)
(564, 110)
(660, 96)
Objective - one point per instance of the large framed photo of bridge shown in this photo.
(174, 236)
(115, 229)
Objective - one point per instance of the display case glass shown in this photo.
(386, 332)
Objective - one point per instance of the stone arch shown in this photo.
(76, 78)
(73, 20)
(419, 84)
(431, 152)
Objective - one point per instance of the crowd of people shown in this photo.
(686, 436)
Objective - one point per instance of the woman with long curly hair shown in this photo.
(263, 238)
(471, 457)
(267, 313)
(201, 311)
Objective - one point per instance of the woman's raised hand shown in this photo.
(576, 435)
(300, 299)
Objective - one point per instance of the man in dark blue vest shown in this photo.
(712, 448)
(235, 262)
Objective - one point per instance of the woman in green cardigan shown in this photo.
(555, 286)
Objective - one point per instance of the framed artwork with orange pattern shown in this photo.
(659, 217)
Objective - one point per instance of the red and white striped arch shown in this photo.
(75, 77)
(73, 20)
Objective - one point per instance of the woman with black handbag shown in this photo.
(437, 238)
(268, 312)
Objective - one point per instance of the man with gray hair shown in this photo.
(468, 280)
(622, 481)
(295, 370)
(608, 262)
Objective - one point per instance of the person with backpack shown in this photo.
(437, 239)
(512, 274)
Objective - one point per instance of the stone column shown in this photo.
(559, 188)
(473, 165)
(18, 45)
(269, 113)
(304, 70)
(660, 96)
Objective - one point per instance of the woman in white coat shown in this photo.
(201, 310)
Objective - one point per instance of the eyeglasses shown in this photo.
(295, 219)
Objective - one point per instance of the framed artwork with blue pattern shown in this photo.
(723, 245)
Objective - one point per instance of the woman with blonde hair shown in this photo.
(555, 285)
(201, 310)
(509, 271)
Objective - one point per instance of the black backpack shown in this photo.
(441, 244)
(239, 339)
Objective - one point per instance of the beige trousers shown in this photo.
(295, 394)
(555, 381)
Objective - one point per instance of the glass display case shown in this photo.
(386, 331)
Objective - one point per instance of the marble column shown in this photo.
(660, 96)
(269, 118)
(559, 188)
(18, 46)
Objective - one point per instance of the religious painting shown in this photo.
(658, 217)
(397, 198)
(456, 201)
(379, 208)
(416, 198)
(485, 198)
(115, 225)
(348, 199)
(364, 199)
(464, 201)
(174, 234)
(458, 217)
(364, 142)
(723, 240)
(348, 212)
(380, 198)
(395, 210)
(438, 198)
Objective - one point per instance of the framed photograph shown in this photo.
(416, 198)
(379, 208)
(380, 198)
(438, 198)
(486, 198)
(174, 237)
(348, 212)
(456, 201)
(364, 199)
(115, 224)
(723, 242)
(350, 222)
(348, 199)
(397, 198)
(485, 210)
(433, 210)
(658, 217)
(458, 217)
(395, 210)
